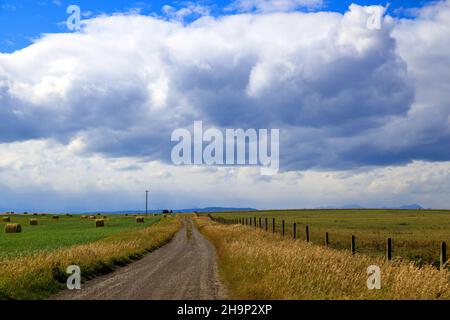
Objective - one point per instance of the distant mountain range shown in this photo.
(208, 209)
(414, 206)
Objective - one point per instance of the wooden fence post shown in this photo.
(254, 221)
(443, 254)
(273, 225)
(283, 229)
(294, 233)
(266, 225)
(353, 245)
(307, 233)
(327, 239)
(260, 225)
(389, 249)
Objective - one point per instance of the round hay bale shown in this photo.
(140, 219)
(6, 219)
(55, 217)
(92, 217)
(13, 228)
(33, 222)
(99, 223)
(83, 217)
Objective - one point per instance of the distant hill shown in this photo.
(414, 206)
(215, 209)
(208, 209)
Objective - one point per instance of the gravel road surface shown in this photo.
(183, 269)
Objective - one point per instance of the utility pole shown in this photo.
(146, 202)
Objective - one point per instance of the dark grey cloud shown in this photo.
(342, 95)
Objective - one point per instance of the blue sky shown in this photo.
(21, 21)
(87, 117)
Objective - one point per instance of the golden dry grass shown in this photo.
(416, 234)
(39, 275)
(260, 265)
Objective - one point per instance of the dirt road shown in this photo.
(183, 269)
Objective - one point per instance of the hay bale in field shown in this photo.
(35, 214)
(6, 219)
(33, 222)
(55, 217)
(92, 217)
(99, 223)
(140, 219)
(13, 228)
(84, 217)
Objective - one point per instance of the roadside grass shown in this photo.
(416, 234)
(52, 234)
(41, 274)
(256, 264)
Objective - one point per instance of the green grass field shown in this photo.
(52, 234)
(416, 234)
(34, 262)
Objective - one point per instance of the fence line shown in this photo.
(353, 249)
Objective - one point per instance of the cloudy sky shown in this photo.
(87, 116)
